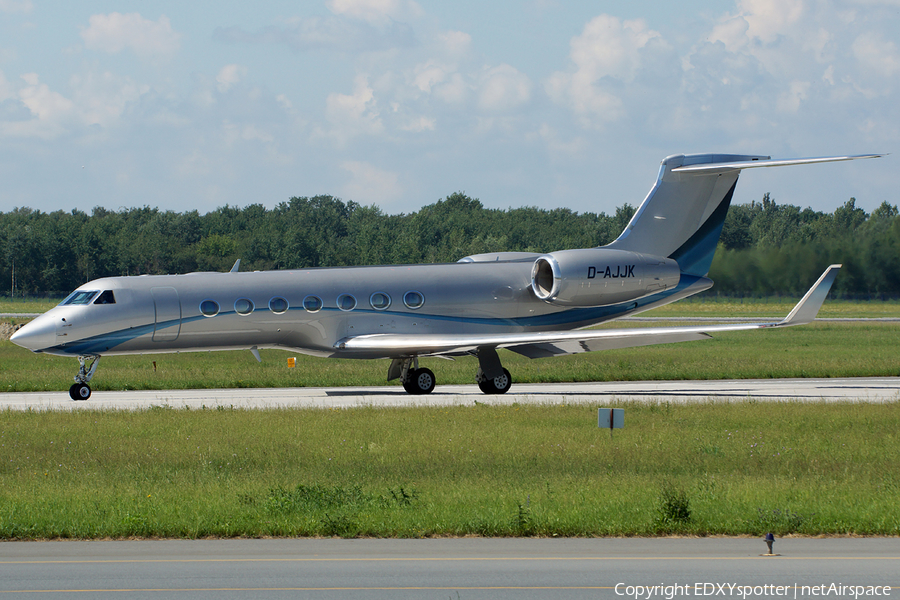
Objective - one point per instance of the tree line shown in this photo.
(765, 247)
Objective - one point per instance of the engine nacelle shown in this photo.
(600, 276)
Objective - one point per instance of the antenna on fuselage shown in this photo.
(236, 267)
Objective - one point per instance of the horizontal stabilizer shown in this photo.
(556, 343)
(725, 167)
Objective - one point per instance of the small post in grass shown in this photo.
(611, 418)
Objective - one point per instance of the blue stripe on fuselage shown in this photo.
(567, 319)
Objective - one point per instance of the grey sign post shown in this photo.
(611, 418)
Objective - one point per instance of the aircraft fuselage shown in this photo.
(310, 310)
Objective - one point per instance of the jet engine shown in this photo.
(600, 276)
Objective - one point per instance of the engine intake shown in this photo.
(600, 276)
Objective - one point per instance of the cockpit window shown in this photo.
(106, 297)
(79, 297)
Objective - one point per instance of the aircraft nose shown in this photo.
(35, 336)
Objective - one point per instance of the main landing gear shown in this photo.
(496, 385)
(80, 390)
(492, 378)
(419, 381)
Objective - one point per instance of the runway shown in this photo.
(461, 568)
(867, 389)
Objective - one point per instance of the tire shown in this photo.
(420, 381)
(497, 385)
(80, 391)
(408, 385)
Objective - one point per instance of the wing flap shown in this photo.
(545, 350)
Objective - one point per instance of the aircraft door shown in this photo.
(167, 308)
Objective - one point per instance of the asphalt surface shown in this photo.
(867, 389)
(452, 568)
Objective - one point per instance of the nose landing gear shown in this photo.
(80, 390)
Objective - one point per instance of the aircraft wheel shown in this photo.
(497, 385)
(420, 381)
(80, 391)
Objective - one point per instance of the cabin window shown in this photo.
(106, 297)
(380, 301)
(209, 308)
(413, 300)
(346, 302)
(312, 304)
(278, 305)
(243, 306)
(79, 297)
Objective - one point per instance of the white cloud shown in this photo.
(97, 99)
(16, 6)
(338, 33)
(454, 90)
(103, 99)
(791, 100)
(116, 32)
(429, 74)
(284, 102)
(228, 76)
(418, 125)
(442, 81)
(369, 184)
(377, 12)
(6, 90)
(52, 112)
(877, 56)
(245, 133)
(607, 48)
(566, 149)
(503, 88)
(767, 19)
(758, 20)
(353, 114)
(45, 104)
(455, 43)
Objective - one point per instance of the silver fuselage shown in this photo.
(163, 313)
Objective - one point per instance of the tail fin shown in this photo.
(682, 216)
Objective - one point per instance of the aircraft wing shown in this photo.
(554, 343)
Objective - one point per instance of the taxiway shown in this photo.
(864, 389)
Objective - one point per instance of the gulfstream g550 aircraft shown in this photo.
(535, 304)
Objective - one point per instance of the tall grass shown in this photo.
(701, 469)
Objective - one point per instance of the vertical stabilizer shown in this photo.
(682, 216)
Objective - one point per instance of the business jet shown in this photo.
(537, 305)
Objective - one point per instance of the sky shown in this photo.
(399, 103)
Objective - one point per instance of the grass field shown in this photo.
(772, 307)
(698, 469)
(817, 350)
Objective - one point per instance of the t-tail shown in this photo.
(682, 216)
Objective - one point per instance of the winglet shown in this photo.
(808, 307)
(236, 267)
